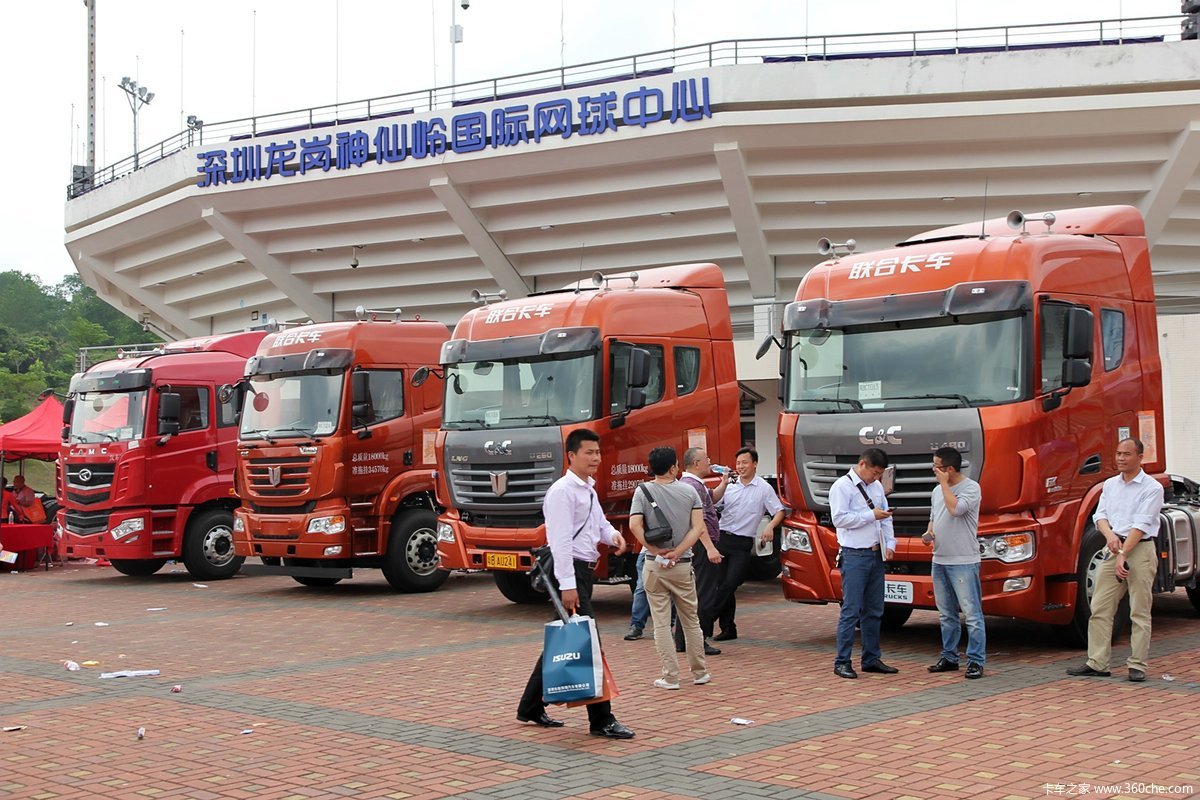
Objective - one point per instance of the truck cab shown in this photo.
(1030, 345)
(336, 452)
(147, 466)
(645, 360)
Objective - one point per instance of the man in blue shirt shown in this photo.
(864, 531)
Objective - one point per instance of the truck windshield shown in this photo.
(292, 406)
(520, 393)
(918, 364)
(109, 416)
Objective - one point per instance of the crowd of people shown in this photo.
(697, 543)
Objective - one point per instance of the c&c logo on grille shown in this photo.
(890, 435)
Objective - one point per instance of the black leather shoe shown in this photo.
(1137, 675)
(725, 636)
(844, 671)
(974, 670)
(709, 650)
(541, 720)
(614, 730)
(879, 667)
(944, 665)
(1087, 672)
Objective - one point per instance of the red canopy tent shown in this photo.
(38, 434)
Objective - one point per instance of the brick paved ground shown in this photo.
(358, 692)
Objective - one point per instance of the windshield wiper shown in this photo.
(850, 401)
(261, 434)
(466, 421)
(293, 429)
(962, 398)
(553, 420)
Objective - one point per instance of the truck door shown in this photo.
(626, 446)
(180, 462)
(379, 444)
(1072, 433)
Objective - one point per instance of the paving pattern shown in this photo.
(355, 691)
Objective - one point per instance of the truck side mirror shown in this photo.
(68, 411)
(1077, 343)
(1076, 372)
(635, 398)
(764, 346)
(225, 393)
(169, 406)
(419, 377)
(360, 394)
(639, 370)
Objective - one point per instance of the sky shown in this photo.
(229, 59)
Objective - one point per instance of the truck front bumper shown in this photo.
(288, 536)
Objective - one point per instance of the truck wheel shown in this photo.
(208, 546)
(138, 568)
(515, 586)
(411, 561)
(1193, 595)
(894, 617)
(1091, 556)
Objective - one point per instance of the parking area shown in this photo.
(355, 691)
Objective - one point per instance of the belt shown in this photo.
(1140, 541)
(687, 560)
(588, 564)
(873, 547)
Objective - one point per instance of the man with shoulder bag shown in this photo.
(667, 518)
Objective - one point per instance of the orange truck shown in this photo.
(645, 360)
(146, 472)
(1031, 346)
(335, 453)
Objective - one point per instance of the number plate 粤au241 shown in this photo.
(501, 561)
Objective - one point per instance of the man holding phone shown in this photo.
(864, 531)
(954, 533)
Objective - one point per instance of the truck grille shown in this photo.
(89, 484)
(284, 476)
(914, 480)
(86, 523)
(523, 484)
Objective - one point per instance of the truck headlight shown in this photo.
(128, 526)
(327, 525)
(239, 524)
(445, 532)
(1009, 548)
(796, 539)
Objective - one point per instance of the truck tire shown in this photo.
(137, 568)
(208, 546)
(411, 561)
(515, 586)
(1091, 552)
(316, 583)
(894, 616)
(1194, 596)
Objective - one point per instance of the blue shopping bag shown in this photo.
(572, 668)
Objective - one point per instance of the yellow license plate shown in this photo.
(501, 561)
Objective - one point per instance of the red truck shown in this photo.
(645, 360)
(336, 457)
(1031, 346)
(146, 471)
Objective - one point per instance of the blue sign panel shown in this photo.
(468, 132)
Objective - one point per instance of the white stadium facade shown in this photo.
(739, 153)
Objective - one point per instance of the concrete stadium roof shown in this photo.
(871, 149)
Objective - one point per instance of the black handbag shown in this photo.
(661, 533)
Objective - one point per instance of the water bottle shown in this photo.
(718, 469)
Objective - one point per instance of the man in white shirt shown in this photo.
(864, 531)
(575, 525)
(1127, 515)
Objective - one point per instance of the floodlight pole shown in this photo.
(138, 96)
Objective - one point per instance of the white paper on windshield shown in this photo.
(125, 433)
(323, 427)
(492, 416)
(870, 390)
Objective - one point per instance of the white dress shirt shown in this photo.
(1133, 504)
(745, 504)
(571, 505)
(855, 521)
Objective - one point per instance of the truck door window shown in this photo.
(1053, 338)
(687, 370)
(1112, 335)
(620, 374)
(193, 408)
(386, 396)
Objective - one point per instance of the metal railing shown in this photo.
(726, 52)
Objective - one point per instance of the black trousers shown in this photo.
(708, 575)
(738, 550)
(532, 705)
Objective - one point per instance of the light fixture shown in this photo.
(416, 240)
(317, 250)
(354, 255)
(195, 274)
(667, 214)
(547, 227)
(1085, 194)
(138, 96)
(949, 199)
(820, 202)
